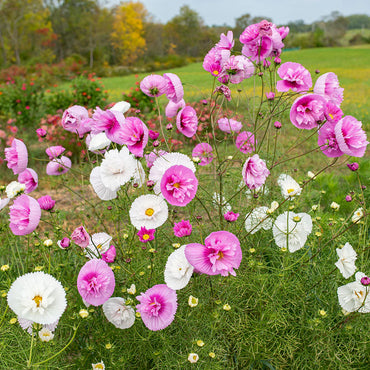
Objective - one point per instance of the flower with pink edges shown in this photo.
(327, 141)
(175, 90)
(24, 215)
(64, 243)
(328, 86)
(72, 117)
(29, 178)
(110, 255)
(351, 138)
(182, 228)
(152, 156)
(308, 111)
(58, 166)
(246, 142)
(187, 121)
(54, 151)
(259, 49)
(109, 121)
(95, 282)
(231, 216)
(145, 235)
(255, 172)
(236, 69)
(179, 185)
(134, 134)
(229, 125)
(80, 236)
(332, 112)
(220, 254)
(226, 41)
(46, 202)
(16, 156)
(157, 306)
(283, 31)
(294, 77)
(153, 85)
(204, 152)
(214, 60)
(223, 90)
(173, 108)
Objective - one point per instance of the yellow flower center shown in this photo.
(37, 300)
(290, 191)
(146, 236)
(176, 185)
(220, 254)
(215, 73)
(331, 116)
(99, 366)
(359, 294)
(149, 212)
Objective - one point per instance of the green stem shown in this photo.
(31, 348)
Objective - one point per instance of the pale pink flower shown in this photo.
(54, 151)
(236, 69)
(173, 108)
(153, 85)
(29, 178)
(328, 85)
(58, 166)
(332, 112)
(72, 118)
(255, 172)
(152, 156)
(204, 152)
(294, 77)
(182, 228)
(226, 41)
(134, 134)
(81, 237)
(258, 50)
(246, 142)
(229, 125)
(283, 31)
(109, 121)
(16, 156)
(175, 90)
(224, 90)
(327, 141)
(215, 59)
(187, 121)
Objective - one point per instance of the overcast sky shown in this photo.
(219, 12)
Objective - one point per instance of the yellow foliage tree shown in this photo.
(128, 29)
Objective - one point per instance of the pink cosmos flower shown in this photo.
(204, 152)
(146, 235)
(152, 156)
(231, 216)
(246, 142)
(16, 156)
(351, 138)
(54, 151)
(81, 237)
(219, 255)
(258, 50)
(229, 125)
(109, 121)
(64, 243)
(72, 117)
(58, 166)
(173, 108)
(25, 214)
(157, 306)
(175, 90)
(110, 255)
(328, 85)
(182, 228)
(95, 282)
(332, 112)
(153, 85)
(153, 134)
(29, 178)
(46, 202)
(308, 111)
(179, 185)
(224, 90)
(41, 132)
(226, 42)
(255, 172)
(134, 134)
(294, 77)
(236, 69)
(215, 59)
(327, 141)
(187, 121)
(283, 31)
(353, 166)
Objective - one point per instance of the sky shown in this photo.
(219, 12)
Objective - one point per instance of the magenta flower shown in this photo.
(327, 141)
(72, 117)
(332, 112)
(95, 282)
(294, 77)
(187, 121)
(29, 178)
(157, 306)
(109, 121)
(270, 95)
(182, 228)
(204, 152)
(255, 172)
(246, 142)
(16, 156)
(64, 243)
(58, 166)
(41, 132)
(46, 202)
(226, 42)
(146, 235)
(175, 90)
(153, 134)
(81, 237)
(259, 49)
(173, 108)
(231, 216)
(283, 31)
(214, 60)
(229, 125)
(223, 90)
(308, 111)
(179, 185)
(134, 134)
(236, 69)
(153, 85)
(24, 215)
(110, 255)
(219, 255)
(328, 85)
(351, 138)
(353, 166)
(54, 151)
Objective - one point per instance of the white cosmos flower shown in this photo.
(357, 215)
(132, 289)
(291, 230)
(37, 297)
(216, 203)
(254, 219)
(178, 270)
(4, 202)
(120, 315)
(289, 187)
(98, 142)
(100, 189)
(346, 263)
(14, 188)
(355, 296)
(99, 244)
(121, 106)
(163, 163)
(45, 335)
(150, 211)
(139, 174)
(117, 168)
(98, 366)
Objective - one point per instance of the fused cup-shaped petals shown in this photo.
(255, 172)
(175, 90)
(187, 121)
(46, 202)
(173, 108)
(259, 49)
(109, 121)
(258, 219)
(54, 151)
(58, 166)
(95, 282)
(37, 297)
(134, 134)
(157, 307)
(236, 69)
(29, 178)
(100, 189)
(24, 215)
(294, 77)
(117, 313)
(81, 237)
(121, 106)
(182, 228)
(204, 152)
(328, 85)
(246, 142)
(327, 141)
(16, 156)
(178, 270)
(346, 262)
(308, 111)
(229, 125)
(153, 85)
(351, 138)
(179, 185)
(289, 187)
(72, 118)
